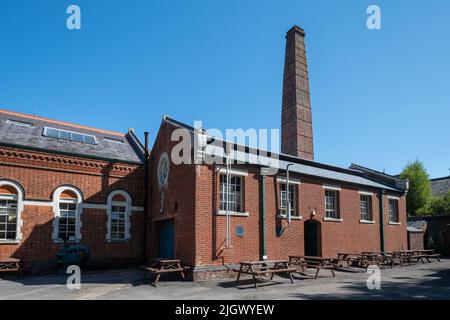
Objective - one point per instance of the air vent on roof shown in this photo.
(19, 123)
(69, 135)
(113, 140)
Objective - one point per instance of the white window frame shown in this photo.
(68, 202)
(369, 207)
(336, 203)
(128, 206)
(19, 197)
(78, 202)
(295, 213)
(241, 192)
(397, 200)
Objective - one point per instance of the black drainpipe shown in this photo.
(144, 247)
(380, 197)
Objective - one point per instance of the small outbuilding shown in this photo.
(415, 238)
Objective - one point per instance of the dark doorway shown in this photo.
(166, 239)
(312, 233)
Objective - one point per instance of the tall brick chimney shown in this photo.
(296, 120)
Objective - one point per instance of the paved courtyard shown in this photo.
(419, 281)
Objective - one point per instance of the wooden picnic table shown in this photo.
(10, 265)
(305, 262)
(256, 268)
(159, 266)
(389, 258)
(362, 259)
(416, 255)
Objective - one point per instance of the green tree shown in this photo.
(419, 193)
(440, 205)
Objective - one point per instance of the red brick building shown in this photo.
(332, 209)
(64, 181)
(60, 181)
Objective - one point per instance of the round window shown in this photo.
(163, 170)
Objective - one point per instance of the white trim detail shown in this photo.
(331, 187)
(128, 208)
(236, 172)
(19, 198)
(366, 193)
(291, 181)
(56, 200)
(9, 242)
(283, 216)
(367, 221)
(233, 213)
(94, 206)
(38, 203)
(332, 219)
(393, 197)
(84, 205)
(394, 223)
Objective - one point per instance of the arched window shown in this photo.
(11, 207)
(119, 211)
(67, 209)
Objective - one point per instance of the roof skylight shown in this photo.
(19, 123)
(113, 140)
(69, 135)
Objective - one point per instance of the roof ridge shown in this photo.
(14, 113)
(441, 178)
(282, 156)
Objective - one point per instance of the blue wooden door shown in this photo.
(166, 239)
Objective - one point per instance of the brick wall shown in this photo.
(177, 200)
(40, 174)
(348, 235)
(200, 233)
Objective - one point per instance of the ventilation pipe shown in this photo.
(263, 215)
(288, 197)
(381, 204)
(227, 198)
(146, 156)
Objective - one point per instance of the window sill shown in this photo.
(283, 216)
(9, 241)
(118, 241)
(232, 213)
(68, 242)
(394, 223)
(367, 221)
(332, 219)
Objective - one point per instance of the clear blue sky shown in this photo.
(379, 98)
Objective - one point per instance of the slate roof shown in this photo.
(413, 230)
(418, 224)
(302, 166)
(124, 148)
(440, 186)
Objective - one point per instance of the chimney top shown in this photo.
(296, 119)
(296, 29)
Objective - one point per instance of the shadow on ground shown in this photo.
(117, 276)
(435, 285)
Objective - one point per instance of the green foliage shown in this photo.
(439, 205)
(419, 193)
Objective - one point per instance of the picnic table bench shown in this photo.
(416, 255)
(159, 266)
(388, 258)
(257, 268)
(430, 253)
(10, 265)
(361, 259)
(305, 262)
